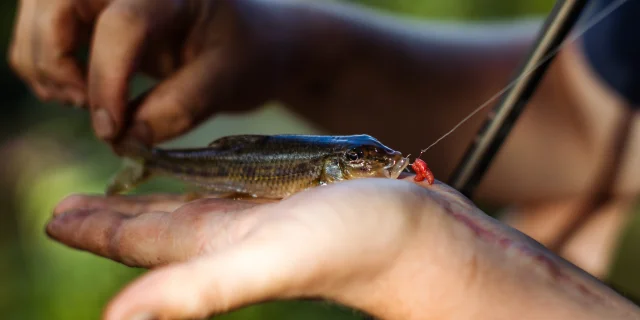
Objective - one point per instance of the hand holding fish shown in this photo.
(208, 55)
(414, 253)
(394, 248)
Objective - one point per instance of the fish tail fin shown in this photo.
(134, 169)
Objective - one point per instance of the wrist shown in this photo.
(455, 262)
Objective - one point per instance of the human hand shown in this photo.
(394, 249)
(210, 55)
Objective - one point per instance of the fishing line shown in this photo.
(581, 31)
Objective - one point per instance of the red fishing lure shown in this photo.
(422, 171)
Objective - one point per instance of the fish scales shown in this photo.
(264, 170)
(266, 166)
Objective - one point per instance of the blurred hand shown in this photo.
(395, 249)
(208, 54)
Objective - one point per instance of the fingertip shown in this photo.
(185, 99)
(121, 33)
(59, 227)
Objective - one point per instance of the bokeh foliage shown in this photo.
(50, 152)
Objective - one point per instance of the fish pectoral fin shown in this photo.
(131, 175)
(236, 141)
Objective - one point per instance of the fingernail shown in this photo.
(77, 98)
(102, 124)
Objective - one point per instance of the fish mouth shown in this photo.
(394, 169)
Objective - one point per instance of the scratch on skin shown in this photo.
(573, 277)
(553, 268)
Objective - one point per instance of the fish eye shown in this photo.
(355, 155)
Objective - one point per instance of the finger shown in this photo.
(121, 35)
(45, 93)
(62, 78)
(52, 91)
(146, 240)
(151, 238)
(20, 52)
(128, 205)
(246, 274)
(594, 245)
(209, 83)
(134, 205)
(57, 35)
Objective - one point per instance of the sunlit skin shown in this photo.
(394, 249)
(206, 64)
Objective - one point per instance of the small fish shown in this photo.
(261, 166)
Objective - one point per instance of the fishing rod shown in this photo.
(503, 117)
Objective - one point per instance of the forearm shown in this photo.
(355, 70)
(566, 140)
(492, 263)
(359, 71)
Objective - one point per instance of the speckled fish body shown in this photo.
(265, 166)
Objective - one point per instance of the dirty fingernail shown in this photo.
(103, 124)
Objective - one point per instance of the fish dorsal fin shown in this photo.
(236, 141)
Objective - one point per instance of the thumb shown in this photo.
(243, 275)
(215, 81)
(123, 32)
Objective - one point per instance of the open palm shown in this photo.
(371, 244)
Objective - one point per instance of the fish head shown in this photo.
(372, 160)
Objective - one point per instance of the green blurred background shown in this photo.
(48, 151)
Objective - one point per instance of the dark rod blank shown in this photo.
(492, 134)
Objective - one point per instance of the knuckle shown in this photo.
(115, 244)
(14, 59)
